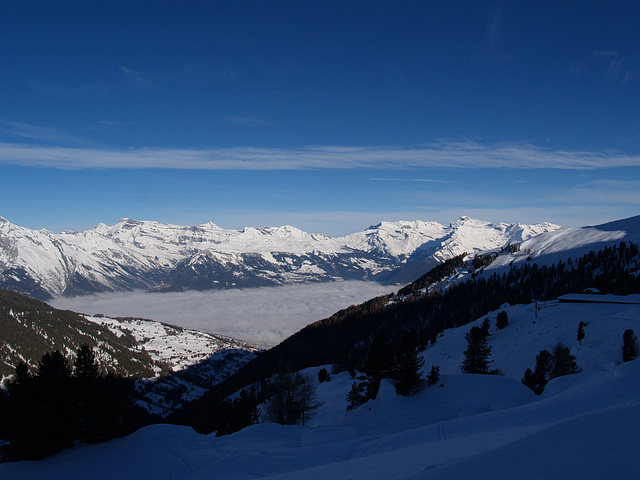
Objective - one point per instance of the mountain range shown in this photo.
(149, 255)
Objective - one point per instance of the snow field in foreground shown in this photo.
(588, 431)
(583, 426)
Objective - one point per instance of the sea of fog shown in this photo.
(260, 316)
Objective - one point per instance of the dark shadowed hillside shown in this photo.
(31, 328)
(345, 337)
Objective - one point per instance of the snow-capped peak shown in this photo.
(146, 254)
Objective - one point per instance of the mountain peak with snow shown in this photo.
(135, 254)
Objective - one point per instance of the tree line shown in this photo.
(61, 404)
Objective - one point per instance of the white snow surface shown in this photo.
(550, 247)
(471, 235)
(584, 426)
(176, 347)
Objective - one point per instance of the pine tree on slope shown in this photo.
(407, 366)
(563, 362)
(476, 356)
(502, 320)
(537, 379)
(630, 348)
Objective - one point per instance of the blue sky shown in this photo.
(328, 116)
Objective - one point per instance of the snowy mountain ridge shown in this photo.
(134, 254)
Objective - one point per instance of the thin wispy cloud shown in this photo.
(202, 72)
(444, 154)
(426, 180)
(620, 69)
(490, 49)
(39, 134)
(606, 53)
(112, 123)
(602, 192)
(614, 70)
(139, 78)
(145, 194)
(247, 121)
(494, 26)
(628, 77)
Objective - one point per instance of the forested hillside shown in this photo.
(31, 328)
(345, 337)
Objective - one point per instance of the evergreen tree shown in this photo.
(40, 410)
(279, 405)
(630, 348)
(21, 417)
(112, 411)
(486, 325)
(407, 366)
(378, 365)
(502, 320)
(240, 413)
(53, 409)
(85, 372)
(323, 375)
(58, 421)
(357, 396)
(53, 367)
(476, 356)
(537, 379)
(23, 375)
(434, 375)
(85, 367)
(528, 380)
(563, 362)
(581, 326)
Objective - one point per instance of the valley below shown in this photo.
(260, 316)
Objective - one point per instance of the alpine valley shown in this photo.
(152, 256)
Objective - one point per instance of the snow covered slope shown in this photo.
(552, 246)
(148, 255)
(175, 348)
(584, 426)
(186, 362)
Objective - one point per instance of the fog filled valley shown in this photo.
(260, 316)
